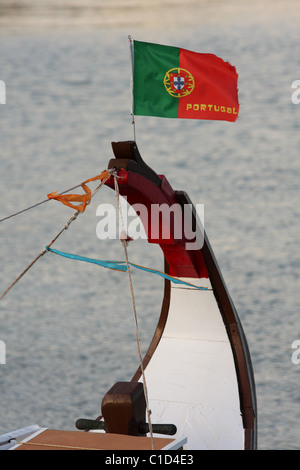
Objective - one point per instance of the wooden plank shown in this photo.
(51, 439)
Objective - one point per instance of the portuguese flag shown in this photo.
(172, 82)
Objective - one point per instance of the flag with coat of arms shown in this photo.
(172, 82)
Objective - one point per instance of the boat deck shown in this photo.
(49, 439)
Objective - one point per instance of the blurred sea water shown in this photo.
(68, 327)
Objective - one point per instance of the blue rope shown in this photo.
(121, 266)
(117, 265)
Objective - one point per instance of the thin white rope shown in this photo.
(65, 227)
(124, 243)
(38, 204)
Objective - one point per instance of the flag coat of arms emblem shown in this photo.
(179, 82)
(176, 83)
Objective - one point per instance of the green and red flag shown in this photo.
(173, 82)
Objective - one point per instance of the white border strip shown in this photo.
(28, 438)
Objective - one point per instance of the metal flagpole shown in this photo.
(131, 83)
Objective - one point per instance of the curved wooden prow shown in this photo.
(140, 184)
(127, 156)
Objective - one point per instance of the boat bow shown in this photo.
(198, 366)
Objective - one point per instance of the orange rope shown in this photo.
(67, 199)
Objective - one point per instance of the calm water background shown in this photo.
(68, 327)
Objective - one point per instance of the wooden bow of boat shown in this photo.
(198, 365)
